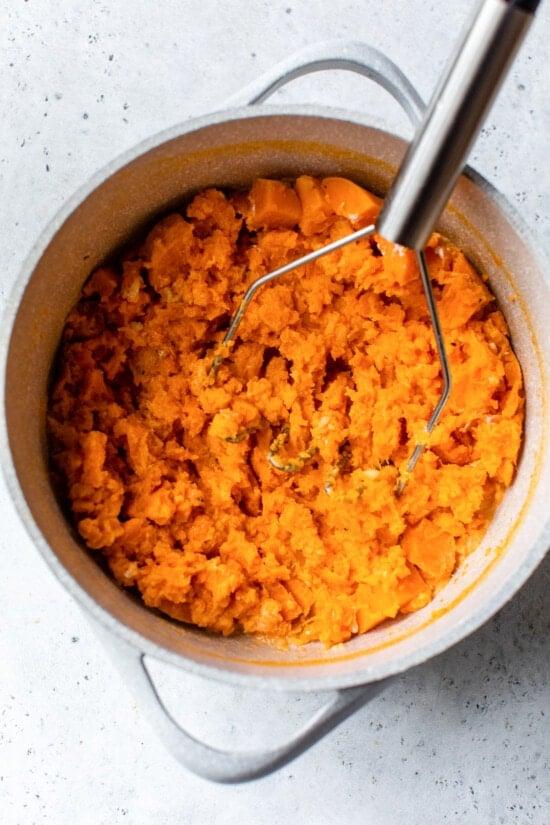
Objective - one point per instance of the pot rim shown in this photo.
(123, 633)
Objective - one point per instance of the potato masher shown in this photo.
(430, 168)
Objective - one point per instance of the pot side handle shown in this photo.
(336, 54)
(229, 767)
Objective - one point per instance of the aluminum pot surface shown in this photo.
(230, 149)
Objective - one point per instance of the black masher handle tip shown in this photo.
(526, 5)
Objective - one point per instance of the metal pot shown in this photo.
(231, 148)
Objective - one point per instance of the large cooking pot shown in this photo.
(230, 149)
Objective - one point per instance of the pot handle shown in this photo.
(336, 54)
(227, 766)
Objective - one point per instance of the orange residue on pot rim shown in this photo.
(263, 500)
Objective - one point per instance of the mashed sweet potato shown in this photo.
(263, 499)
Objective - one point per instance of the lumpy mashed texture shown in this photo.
(263, 498)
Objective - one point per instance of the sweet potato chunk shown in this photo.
(432, 550)
(316, 211)
(351, 201)
(273, 205)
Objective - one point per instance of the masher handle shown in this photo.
(452, 121)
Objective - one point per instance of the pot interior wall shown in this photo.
(232, 153)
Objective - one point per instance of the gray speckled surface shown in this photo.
(463, 739)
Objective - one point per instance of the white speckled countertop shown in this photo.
(462, 739)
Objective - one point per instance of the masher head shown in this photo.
(230, 336)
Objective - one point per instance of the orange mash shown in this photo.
(263, 498)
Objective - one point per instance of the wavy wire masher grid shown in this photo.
(238, 316)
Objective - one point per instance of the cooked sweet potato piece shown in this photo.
(273, 205)
(316, 211)
(351, 201)
(431, 549)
